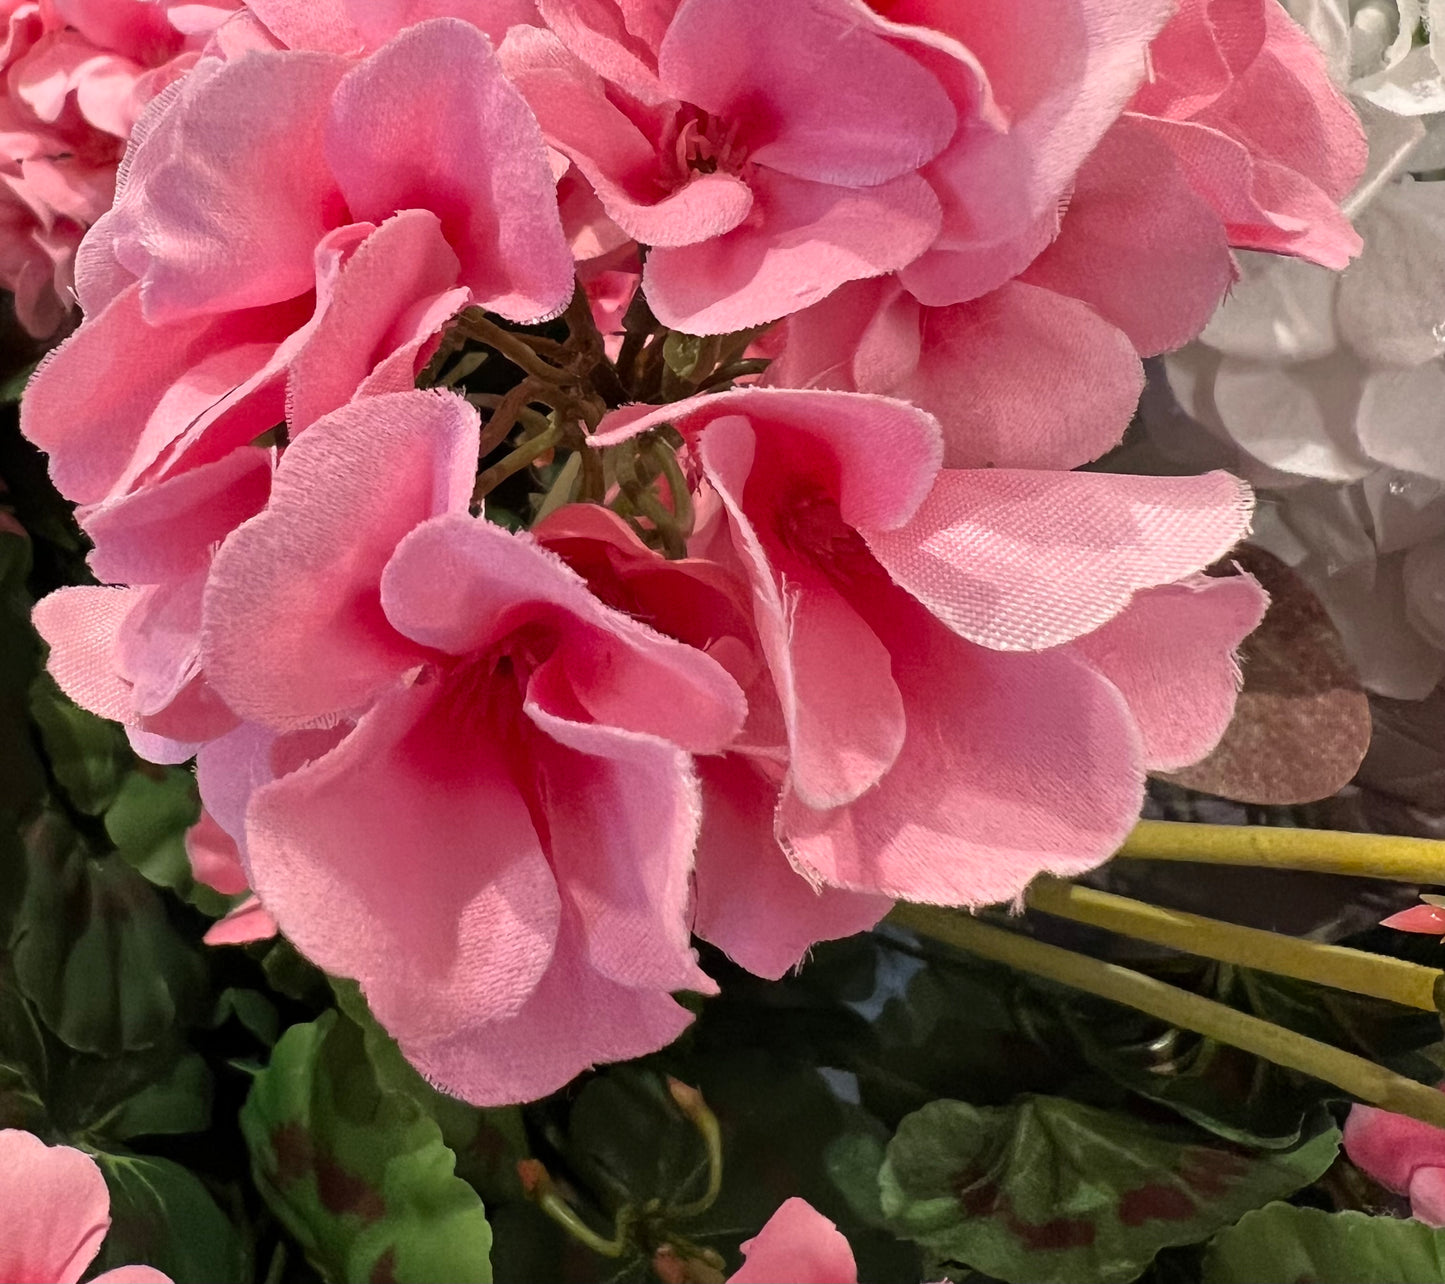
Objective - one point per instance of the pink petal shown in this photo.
(833, 676)
(1023, 560)
(57, 1209)
(80, 625)
(812, 92)
(1138, 245)
(249, 921)
(236, 191)
(132, 1275)
(751, 902)
(462, 585)
(171, 529)
(1171, 653)
(798, 1244)
(407, 858)
(430, 122)
(801, 241)
(618, 39)
(1023, 378)
(398, 269)
(1429, 919)
(1427, 1194)
(214, 858)
(300, 583)
(1013, 765)
(622, 819)
(323, 25)
(575, 1019)
(1391, 1147)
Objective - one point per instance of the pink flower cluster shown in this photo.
(503, 778)
(77, 74)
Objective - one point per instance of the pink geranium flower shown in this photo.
(972, 669)
(1237, 138)
(797, 1246)
(76, 75)
(56, 1212)
(1403, 1155)
(216, 862)
(295, 227)
(496, 838)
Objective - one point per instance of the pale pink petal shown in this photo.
(1427, 1194)
(606, 35)
(1022, 560)
(132, 1275)
(1014, 764)
(462, 585)
(407, 859)
(249, 921)
(379, 20)
(403, 265)
(622, 818)
(80, 625)
(300, 583)
(751, 903)
(1023, 378)
(813, 93)
(235, 201)
(801, 241)
(797, 1246)
(1138, 245)
(575, 1019)
(1171, 654)
(57, 1209)
(430, 122)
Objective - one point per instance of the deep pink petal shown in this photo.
(214, 858)
(810, 91)
(323, 25)
(1429, 919)
(797, 1244)
(430, 122)
(801, 241)
(1171, 653)
(622, 820)
(300, 584)
(461, 585)
(575, 1019)
(407, 858)
(1391, 1147)
(1023, 560)
(1013, 765)
(57, 1209)
(751, 903)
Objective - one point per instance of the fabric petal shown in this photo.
(300, 583)
(1023, 560)
(80, 624)
(797, 1243)
(57, 1209)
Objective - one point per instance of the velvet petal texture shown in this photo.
(56, 1213)
(797, 1244)
(1403, 1155)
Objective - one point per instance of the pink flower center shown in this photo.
(704, 144)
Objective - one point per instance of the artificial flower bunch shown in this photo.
(581, 476)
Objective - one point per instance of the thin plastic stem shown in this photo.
(1326, 851)
(1333, 965)
(1360, 1078)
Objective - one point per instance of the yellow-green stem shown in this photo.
(1334, 965)
(524, 454)
(1326, 851)
(1360, 1078)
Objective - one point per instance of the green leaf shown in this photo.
(1051, 1190)
(159, 1092)
(358, 1171)
(93, 949)
(88, 755)
(162, 1216)
(682, 352)
(148, 820)
(13, 386)
(1281, 1242)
